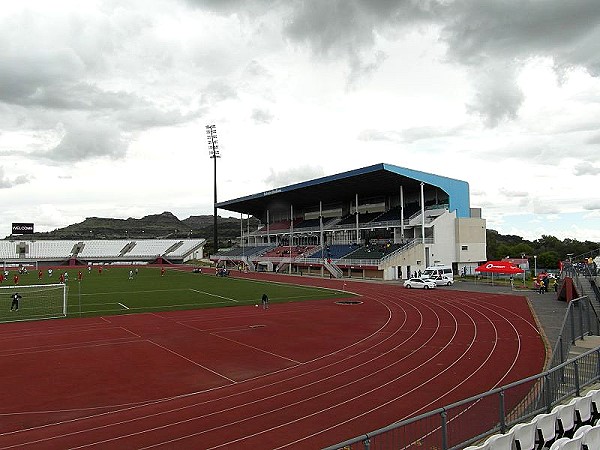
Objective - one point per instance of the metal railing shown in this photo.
(462, 423)
(581, 319)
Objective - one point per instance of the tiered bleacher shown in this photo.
(51, 249)
(86, 251)
(334, 251)
(8, 250)
(102, 248)
(373, 251)
(285, 251)
(245, 251)
(151, 248)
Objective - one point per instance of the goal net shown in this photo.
(41, 301)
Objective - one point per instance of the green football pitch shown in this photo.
(113, 292)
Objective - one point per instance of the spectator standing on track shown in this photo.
(14, 306)
(265, 301)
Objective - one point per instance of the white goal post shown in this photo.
(38, 301)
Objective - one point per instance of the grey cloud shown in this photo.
(483, 35)
(545, 207)
(6, 182)
(592, 206)
(261, 116)
(476, 31)
(84, 141)
(226, 7)
(498, 97)
(377, 135)
(22, 76)
(347, 28)
(293, 175)
(512, 193)
(217, 91)
(594, 139)
(409, 135)
(586, 168)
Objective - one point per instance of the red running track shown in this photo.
(297, 376)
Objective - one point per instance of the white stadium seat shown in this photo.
(565, 419)
(567, 444)
(595, 395)
(524, 435)
(500, 441)
(545, 425)
(591, 439)
(583, 410)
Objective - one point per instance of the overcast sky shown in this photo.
(103, 103)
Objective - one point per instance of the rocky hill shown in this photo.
(165, 225)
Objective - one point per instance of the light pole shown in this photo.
(213, 152)
(535, 266)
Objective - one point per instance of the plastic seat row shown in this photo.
(570, 426)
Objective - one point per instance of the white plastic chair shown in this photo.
(565, 419)
(501, 441)
(582, 430)
(591, 439)
(583, 410)
(524, 435)
(557, 445)
(546, 428)
(566, 444)
(483, 446)
(595, 394)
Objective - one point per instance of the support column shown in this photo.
(423, 222)
(402, 213)
(357, 225)
(268, 233)
(291, 236)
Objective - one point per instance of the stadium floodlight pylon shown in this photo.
(38, 301)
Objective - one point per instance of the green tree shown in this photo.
(548, 260)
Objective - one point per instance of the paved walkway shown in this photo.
(550, 312)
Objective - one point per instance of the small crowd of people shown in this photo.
(544, 282)
(222, 272)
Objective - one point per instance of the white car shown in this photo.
(419, 283)
(441, 280)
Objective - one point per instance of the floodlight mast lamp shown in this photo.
(213, 152)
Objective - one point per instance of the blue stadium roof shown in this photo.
(378, 179)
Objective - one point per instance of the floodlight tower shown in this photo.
(213, 152)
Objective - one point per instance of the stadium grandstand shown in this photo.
(93, 251)
(382, 222)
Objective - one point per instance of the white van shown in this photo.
(438, 270)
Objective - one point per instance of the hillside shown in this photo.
(165, 225)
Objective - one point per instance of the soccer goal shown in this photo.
(40, 301)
